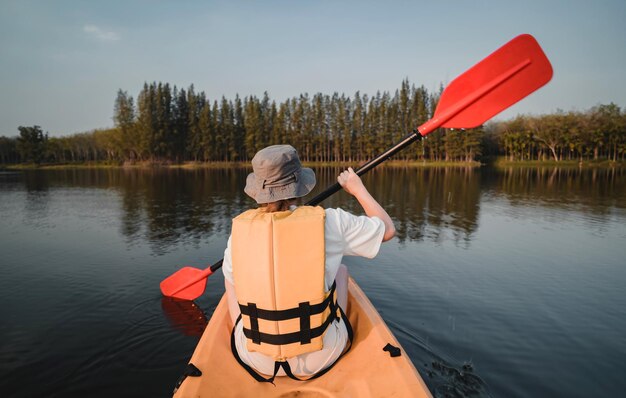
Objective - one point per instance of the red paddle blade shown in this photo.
(503, 78)
(187, 283)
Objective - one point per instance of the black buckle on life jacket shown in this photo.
(255, 335)
(305, 323)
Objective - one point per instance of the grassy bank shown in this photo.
(220, 165)
(60, 166)
(497, 162)
(503, 162)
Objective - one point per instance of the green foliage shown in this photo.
(599, 133)
(171, 125)
(31, 144)
(8, 150)
(126, 141)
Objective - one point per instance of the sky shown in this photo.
(62, 62)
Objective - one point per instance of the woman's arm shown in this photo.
(352, 184)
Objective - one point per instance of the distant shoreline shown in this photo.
(602, 163)
(497, 163)
(220, 165)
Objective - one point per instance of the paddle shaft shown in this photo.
(409, 139)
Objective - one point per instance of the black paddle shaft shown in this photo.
(406, 141)
(409, 139)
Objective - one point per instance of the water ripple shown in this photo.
(445, 377)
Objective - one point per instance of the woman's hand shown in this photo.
(351, 182)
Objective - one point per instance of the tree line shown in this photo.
(598, 133)
(166, 124)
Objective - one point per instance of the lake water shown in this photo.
(503, 283)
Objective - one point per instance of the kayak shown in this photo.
(367, 370)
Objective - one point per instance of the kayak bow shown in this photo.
(365, 371)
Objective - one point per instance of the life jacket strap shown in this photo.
(305, 323)
(285, 364)
(254, 333)
(287, 368)
(289, 338)
(291, 313)
(250, 370)
(303, 312)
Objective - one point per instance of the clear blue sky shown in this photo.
(62, 62)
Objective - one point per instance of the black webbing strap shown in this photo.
(254, 333)
(303, 312)
(305, 323)
(253, 373)
(291, 313)
(285, 364)
(335, 308)
(289, 338)
(287, 368)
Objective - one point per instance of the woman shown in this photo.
(283, 271)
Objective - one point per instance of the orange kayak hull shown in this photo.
(365, 371)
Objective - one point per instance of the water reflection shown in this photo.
(168, 206)
(594, 194)
(37, 200)
(184, 316)
(521, 287)
(429, 204)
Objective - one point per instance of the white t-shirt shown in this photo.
(344, 235)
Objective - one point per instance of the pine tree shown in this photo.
(356, 128)
(419, 113)
(404, 108)
(127, 139)
(205, 130)
(279, 128)
(193, 142)
(345, 130)
(226, 136)
(165, 137)
(179, 126)
(253, 124)
(265, 115)
(146, 120)
(305, 132)
(238, 150)
(318, 138)
(214, 138)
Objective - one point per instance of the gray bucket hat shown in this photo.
(277, 175)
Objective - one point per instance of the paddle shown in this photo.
(503, 78)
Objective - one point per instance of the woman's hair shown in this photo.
(281, 205)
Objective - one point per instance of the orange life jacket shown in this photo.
(278, 270)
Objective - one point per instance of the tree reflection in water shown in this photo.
(169, 206)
